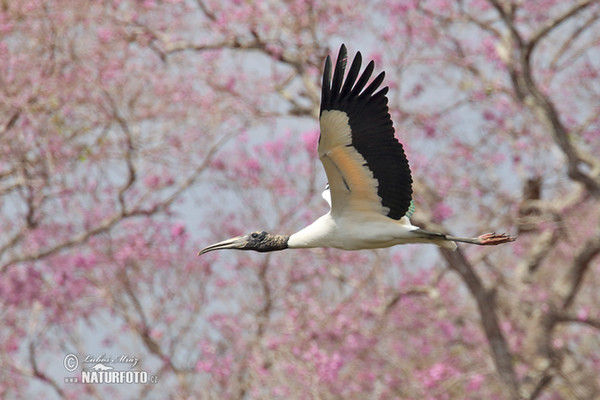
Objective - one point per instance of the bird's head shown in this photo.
(257, 241)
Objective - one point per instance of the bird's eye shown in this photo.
(254, 235)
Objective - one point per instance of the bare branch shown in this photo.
(209, 14)
(142, 327)
(527, 91)
(82, 237)
(41, 375)
(567, 44)
(572, 319)
(489, 320)
(11, 121)
(111, 221)
(568, 286)
(415, 291)
(549, 27)
(539, 250)
(131, 171)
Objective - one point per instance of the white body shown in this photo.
(358, 231)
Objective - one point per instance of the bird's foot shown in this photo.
(492, 239)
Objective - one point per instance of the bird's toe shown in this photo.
(492, 239)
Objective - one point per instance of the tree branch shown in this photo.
(548, 28)
(571, 319)
(41, 375)
(593, 18)
(527, 91)
(108, 223)
(568, 286)
(489, 320)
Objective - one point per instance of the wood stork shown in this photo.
(369, 189)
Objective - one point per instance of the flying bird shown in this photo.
(369, 180)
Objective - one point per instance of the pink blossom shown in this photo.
(230, 85)
(152, 181)
(583, 314)
(218, 164)
(204, 365)
(156, 334)
(281, 391)
(591, 135)
(442, 5)
(475, 382)
(310, 140)
(105, 34)
(489, 115)
(416, 91)
(377, 57)
(5, 24)
(177, 229)
(430, 129)
(275, 148)
(432, 376)
(442, 211)
(328, 366)
(252, 165)
(489, 47)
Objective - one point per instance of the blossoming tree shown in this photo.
(134, 132)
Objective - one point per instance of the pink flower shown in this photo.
(218, 164)
(104, 34)
(177, 229)
(438, 372)
(377, 57)
(5, 24)
(475, 382)
(489, 47)
(583, 314)
(489, 115)
(442, 211)
(204, 365)
(310, 140)
(152, 181)
(230, 85)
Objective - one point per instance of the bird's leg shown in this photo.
(487, 239)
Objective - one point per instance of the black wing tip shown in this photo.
(327, 73)
(326, 84)
(339, 70)
(342, 60)
(349, 88)
(336, 87)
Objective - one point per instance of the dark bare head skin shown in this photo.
(257, 241)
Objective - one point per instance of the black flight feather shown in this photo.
(371, 128)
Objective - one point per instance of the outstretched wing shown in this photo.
(365, 164)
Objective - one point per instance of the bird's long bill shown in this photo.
(237, 242)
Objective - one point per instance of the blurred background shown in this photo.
(134, 133)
